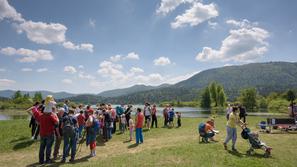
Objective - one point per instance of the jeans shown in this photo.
(154, 121)
(231, 134)
(139, 136)
(80, 129)
(46, 143)
(69, 142)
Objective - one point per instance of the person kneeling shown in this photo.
(207, 131)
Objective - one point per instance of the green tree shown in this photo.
(248, 98)
(213, 92)
(221, 97)
(205, 99)
(17, 97)
(291, 96)
(37, 97)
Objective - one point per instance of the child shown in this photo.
(171, 117)
(123, 123)
(81, 123)
(131, 128)
(178, 115)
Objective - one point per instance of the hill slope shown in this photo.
(57, 95)
(130, 90)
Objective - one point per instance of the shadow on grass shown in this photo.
(235, 153)
(19, 139)
(127, 141)
(58, 163)
(133, 145)
(145, 130)
(23, 144)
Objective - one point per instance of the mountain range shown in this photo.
(265, 77)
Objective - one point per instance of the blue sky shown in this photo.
(91, 46)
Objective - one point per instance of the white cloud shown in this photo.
(83, 46)
(42, 70)
(212, 25)
(92, 23)
(83, 75)
(6, 82)
(109, 69)
(8, 12)
(70, 69)
(136, 70)
(28, 55)
(67, 81)
(43, 33)
(162, 61)
(115, 58)
(242, 24)
(26, 69)
(2, 69)
(167, 6)
(40, 32)
(132, 55)
(197, 14)
(245, 44)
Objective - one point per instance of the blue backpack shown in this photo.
(95, 124)
(201, 128)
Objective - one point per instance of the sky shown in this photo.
(91, 46)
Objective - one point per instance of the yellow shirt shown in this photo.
(233, 119)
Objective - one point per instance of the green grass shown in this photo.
(161, 147)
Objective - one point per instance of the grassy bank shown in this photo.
(162, 147)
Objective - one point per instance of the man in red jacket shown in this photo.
(48, 124)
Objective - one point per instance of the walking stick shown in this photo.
(81, 142)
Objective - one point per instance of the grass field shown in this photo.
(161, 147)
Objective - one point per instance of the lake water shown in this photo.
(187, 112)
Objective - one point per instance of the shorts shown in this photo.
(148, 118)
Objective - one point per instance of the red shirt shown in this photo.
(140, 118)
(47, 123)
(81, 119)
(154, 111)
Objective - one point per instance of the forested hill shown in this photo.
(130, 90)
(265, 77)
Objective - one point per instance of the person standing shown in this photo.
(154, 116)
(165, 115)
(139, 123)
(70, 135)
(128, 114)
(231, 129)
(242, 113)
(47, 122)
(147, 114)
(33, 123)
(66, 107)
(113, 118)
(81, 123)
(131, 128)
(91, 133)
(59, 133)
(228, 111)
(178, 115)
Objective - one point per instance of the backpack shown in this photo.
(68, 128)
(95, 125)
(201, 128)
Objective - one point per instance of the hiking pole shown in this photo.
(81, 141)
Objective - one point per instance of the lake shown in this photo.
(187, 112)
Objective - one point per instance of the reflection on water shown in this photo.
(12, 117)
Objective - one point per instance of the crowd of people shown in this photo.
(73, 125)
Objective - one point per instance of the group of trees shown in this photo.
(20, 100)
(214, 93)
(214, 96)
